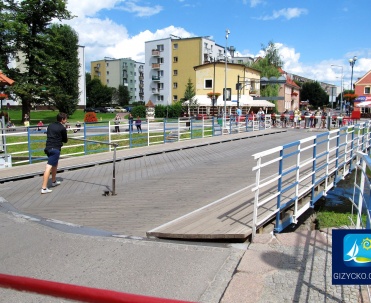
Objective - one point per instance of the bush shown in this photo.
(90, 117)
(139, 111)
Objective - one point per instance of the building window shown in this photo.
(107, 64)
(175, 59)
(160, 47)
(98, 65)
(367, 90)
(175, 85)
(107, 81)
(175, 45)
(108, 72)
(208, 83)
(175, 98)
(175, 72)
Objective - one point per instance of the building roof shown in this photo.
(150, 104)
(366, 77)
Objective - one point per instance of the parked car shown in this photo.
(109, 109)
(91, 109)
(101, 109)
(120, 109)
(128, 108)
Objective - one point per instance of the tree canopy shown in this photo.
(269, 67)
(313, 92)
(97, 94)
(29, 39)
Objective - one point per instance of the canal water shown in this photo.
(339, 196)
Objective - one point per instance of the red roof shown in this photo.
(4, 80)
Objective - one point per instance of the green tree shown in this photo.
(313, 92)
(123, 95)
(189, 100)
(64, 91)
(28, 28)
(269, 67)
(98, 94)
(7, 34)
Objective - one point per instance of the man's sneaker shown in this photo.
(45, 190)
(56, 183)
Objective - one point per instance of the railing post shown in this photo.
(279, 189)
(29, 145)
(114, 170)
(256, 199)
(85, 143)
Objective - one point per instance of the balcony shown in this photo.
(155, 53)
(155, 65)
(155, 91)
(155, 78)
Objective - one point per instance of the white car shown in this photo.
(119, 109)
(110, 109)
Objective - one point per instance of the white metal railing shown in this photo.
(305, 171)
(31, 142)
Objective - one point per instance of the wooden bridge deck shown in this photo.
(197, 189)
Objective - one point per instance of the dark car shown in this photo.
(91, 110)
(101, 110)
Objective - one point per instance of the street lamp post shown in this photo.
(352, 61)
(227, 32)
(341, 95)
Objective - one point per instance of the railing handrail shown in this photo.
(76, 292)
(309, 166)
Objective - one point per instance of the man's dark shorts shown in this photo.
(53, 156)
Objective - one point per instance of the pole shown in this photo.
(341, 96)
(238, 91)
(213, 99)
(225, 80)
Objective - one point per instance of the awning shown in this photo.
(364, 104)
(245, 100)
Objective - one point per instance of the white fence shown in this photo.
(25, 145)
(304, 171)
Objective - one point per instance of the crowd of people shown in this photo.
(308, 118)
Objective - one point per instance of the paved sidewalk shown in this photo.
(289, 267)
(191, 272)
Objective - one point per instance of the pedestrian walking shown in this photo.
(117, 123)
(131, 119)
(56, 135)
(138, 124)
(239, 114)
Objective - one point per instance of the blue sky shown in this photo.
(310, 35)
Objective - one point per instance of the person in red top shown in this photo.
(56, 136)
(40, 125)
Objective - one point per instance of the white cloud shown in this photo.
(254, 3)
(287, 13)
(83, 8)
(141, 11)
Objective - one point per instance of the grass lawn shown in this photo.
(49, 116)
